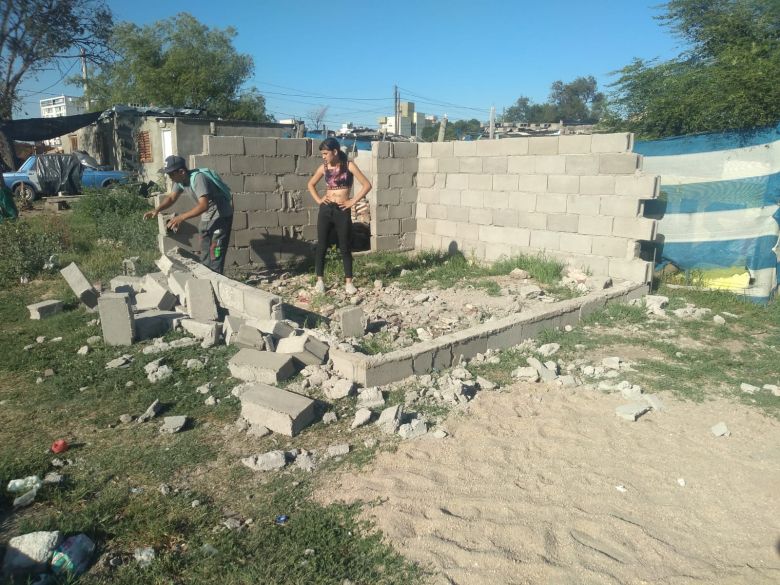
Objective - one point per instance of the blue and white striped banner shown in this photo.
(719, 204)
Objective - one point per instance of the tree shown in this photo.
(36, 35)
(457, 130)
(317, 117)
(179, 62)
(519, 111)
(726, 79)
(576, 101)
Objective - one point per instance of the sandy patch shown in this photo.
(524, 491)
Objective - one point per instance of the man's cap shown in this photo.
(173, 163)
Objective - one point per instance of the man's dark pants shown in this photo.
(214, 243)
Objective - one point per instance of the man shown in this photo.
(212, 204)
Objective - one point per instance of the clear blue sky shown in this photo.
(446, 56)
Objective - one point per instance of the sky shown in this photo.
(451, 57)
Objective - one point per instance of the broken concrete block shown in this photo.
(544, 373)
(131, 284)
(230, 327)
(156, 294)
(251, 365)
(390, 419)
(249, 337)
(272, 327)
(362, 417)
(337, 450)
(338, 389)
(370, 398)
(154, 323)
(632, 411)
(653, 402)
(208, 331)
(129, 266)
(44, 309)
(281, 411)
(548, 349)
(412, 430)
(173, 424)
(80, 285)
(177, 284)
(303, 343)
(270, 461)
(201, 303)
(30, 552)
(720, 430)
(526, 373)
(353, 321)
(116, 319)
(154, 409)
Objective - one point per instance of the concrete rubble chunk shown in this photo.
(116, 319)
(129, 284)
(773, 388)
(154, 409)
(598, 282)
(362, 417)
(30, 552)
(129, 266)
(94, 339)
(270, 461)
(548, 349)
(337, 450)
(155, 323)
(251, 365)
(632, 411)
(390, 419)
(337, 389)
(122, 361)
(520, 274)
(412, 430)
(632, 392)
(718, 320)
(249, 337)
(654, 402)
(281, 411)
(485, 384)
(201, 303)
(544, 373)
(370, 398)
(748, 388)
(258, 431)
(329, 418)
(529, 373)
(720, 430)
(305, 461)
(303, 344)
(173, 424)
(612, 363)
(80, 285)
(44, 309)
(208, 331)
(230, 327)
(177, 284)
(273, 327)
(353, 321)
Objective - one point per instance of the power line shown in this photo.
(433, 101)
(305, 93)
(64, 75)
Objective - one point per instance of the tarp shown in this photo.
(718, 210)
(57, 172)
(37, 129)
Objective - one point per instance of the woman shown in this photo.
(335, 207)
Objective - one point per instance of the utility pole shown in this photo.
(492, 133)
(397, 107)
(84, 77)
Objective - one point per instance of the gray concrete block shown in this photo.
(80, 285)
(543, 145)
(230, 327)
(273, 327)
(292, 146)
(246, 165)
(248, 337)
(131, 284)
(390, 419)
(251, 365)
(281, 411)
(618, 164)
(259, 304)
(632, 411)
(303, 343)
(258, 146)
(44, 309)
(619, 142)
(177, 284)
(353, 321)
(155, 323)
(222, 145)
(279, 165)
(201, 304)
(116, 319)
(256, 183)
(208, 331)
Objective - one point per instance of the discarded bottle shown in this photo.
(281, 519)
(26, 499)
(32, 482)
(59, 446)
(215, 247)
(73, 555)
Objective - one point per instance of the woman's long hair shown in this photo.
(333, 144)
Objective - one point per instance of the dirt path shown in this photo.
(524, 491)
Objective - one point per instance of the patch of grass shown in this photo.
(25, 246)
(380, 342)
(541, 268)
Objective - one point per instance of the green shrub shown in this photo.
(25, 246)
(116, 216)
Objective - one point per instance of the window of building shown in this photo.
(145, 147)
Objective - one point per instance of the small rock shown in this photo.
(485, 384)
(370, 443)
(144, 556)
(720, 430)
(329, 418)
(173, 424)
(339, 389)
(270, 461)
(612, 363)
(40, 339)
(305, 461)
(159, 374)
(195, 503)
(719, 320)
(210, 401)
(653, 402)
(519, 273)
(362, 417)
(632, 411)
(370, 398)
(48, 373)
(56, 339)
(389, 419)
(440, 433)
(94, 340)
(126, 419)
(548, 349)
(258, 431)
(681, 482)
(129, 384)
(83, 350)
(421, 298)
(412, 430)
(154, 409)
(52, 478)
(120, 362)
(337, 450)
(526, 373)
(165, 489)
(568, 328)
(748, 388)
(204, 389)
(194, 364)
(773, 388)
(378, 284)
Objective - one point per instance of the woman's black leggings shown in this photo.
(331, 215)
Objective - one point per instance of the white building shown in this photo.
(62, 105)
(410, 123)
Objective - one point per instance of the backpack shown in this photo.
(217, 180)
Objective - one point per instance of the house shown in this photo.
(138, 139)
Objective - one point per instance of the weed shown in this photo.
(26, 245)
(378, 343)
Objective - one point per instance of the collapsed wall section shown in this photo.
(578, 198)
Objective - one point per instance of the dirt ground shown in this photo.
(543, 484)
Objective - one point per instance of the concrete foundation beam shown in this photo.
(155, 323)
(44, 309)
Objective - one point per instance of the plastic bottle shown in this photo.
(73, 555)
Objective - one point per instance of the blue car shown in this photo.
(29, 182)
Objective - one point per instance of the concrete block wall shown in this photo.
(577, 198)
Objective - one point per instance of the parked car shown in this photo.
(46, 174)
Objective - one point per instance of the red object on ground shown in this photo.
(59, 446)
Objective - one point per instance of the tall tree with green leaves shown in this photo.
(38, 35)
(577, 101)
(727, 78)
(179, 62)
